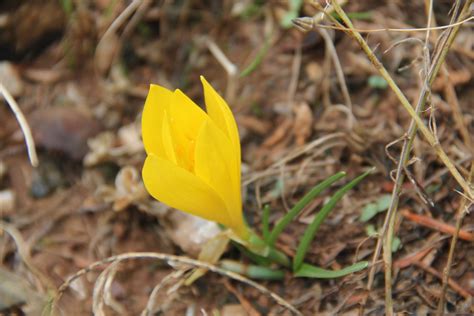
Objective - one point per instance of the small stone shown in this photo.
(233, 310)
(7, 202)
(10, 78)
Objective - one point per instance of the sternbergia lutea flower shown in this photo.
(193, 156)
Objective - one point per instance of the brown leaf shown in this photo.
(64, 129)
(278, 134)
(106, 51)
(303, 122)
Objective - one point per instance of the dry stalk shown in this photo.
(415, 124)
(388, 29)
(231, 69)
(150, 306)
(172, 260)
(337, 66)
(463, 209)
(24, 251)
(25, 128)
(432, 140)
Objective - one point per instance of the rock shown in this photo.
(10, 78)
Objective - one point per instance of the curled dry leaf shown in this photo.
(128, 188)
(109, 146)
(303, 122)
(182, 224)
(106, 51)
(278, 134)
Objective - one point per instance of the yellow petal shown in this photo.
(182, 190)
(215, 162)
(221, 114)
(157, 101)
(186, 119)
(167, 139)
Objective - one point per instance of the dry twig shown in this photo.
(172, 259)
(25, 128)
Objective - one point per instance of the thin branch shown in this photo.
(25, 128)
(172, 260)
(405, 153)
(337, 66)
(461, 213)
(231, 69)
(307, 23)
(404, 101)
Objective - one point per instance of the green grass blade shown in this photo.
(266, 222)
(258, 58)
(312, 229)
(310, 271)
(281, 225)
(252, 271)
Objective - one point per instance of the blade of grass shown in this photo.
(258, 58)
(266, 222)
(310, 271)
(252, 271)
(315, 191)
(319, 218)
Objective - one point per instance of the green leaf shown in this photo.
(365, 15)
(372, 209)
(315, 191)
(370, 230)
(310, 271)
(313, 228)
(67, 6)
(295, 6)
(377, 82)
(368, 212)
(252, 271)
(396, 244)
(264, 261)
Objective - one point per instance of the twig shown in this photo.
(437, 225)
(404, 101)
(173, 260)
(25, 128)
(452, 100)
(463, 209)
(136, 18)
(309, 24)
(231, 69)
(295, 74)
(24, 251)
(454, 285)
(150, 305)
(118, 22)
(337, 66)
(439, 58)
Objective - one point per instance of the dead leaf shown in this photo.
(303, 122)
(106, 51)
(64, 129)
(278, 134)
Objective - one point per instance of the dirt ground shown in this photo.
(80, 72)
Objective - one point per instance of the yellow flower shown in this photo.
(193, 157)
